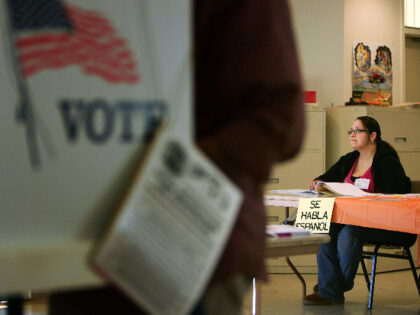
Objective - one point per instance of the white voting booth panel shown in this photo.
(80, 89)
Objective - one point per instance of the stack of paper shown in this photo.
(282, 230)
(340, 189)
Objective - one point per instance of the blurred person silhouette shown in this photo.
(248, 116)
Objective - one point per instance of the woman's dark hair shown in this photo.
(372, 125)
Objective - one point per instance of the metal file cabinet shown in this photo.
(310, 162)
(400, 126)
(297, 173)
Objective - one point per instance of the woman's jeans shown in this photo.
(339, 259)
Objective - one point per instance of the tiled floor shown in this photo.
(395, 293)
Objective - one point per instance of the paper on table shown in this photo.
(282, 230)
(171, 228)
(281, 201)
(299, 192)
(343, 189)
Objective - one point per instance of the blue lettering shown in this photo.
(98, 107)
(126, 109)
(153, 115)
(72, 114)
(98, 119)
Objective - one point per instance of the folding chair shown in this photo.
(374, 257)
(406, 254)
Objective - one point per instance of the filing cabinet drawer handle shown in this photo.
(400, 139)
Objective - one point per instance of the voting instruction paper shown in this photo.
(171, 228)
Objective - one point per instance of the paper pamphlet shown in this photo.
(284, 230)
(281, 201)
(168, 234)
(329, 188)
(297, 192)
(340, 189)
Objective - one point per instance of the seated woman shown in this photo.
(373, 166)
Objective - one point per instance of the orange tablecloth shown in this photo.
(396, 213)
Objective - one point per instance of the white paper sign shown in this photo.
(171, 229)
(83, 83)
(315, 214)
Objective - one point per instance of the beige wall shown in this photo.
(412, 73)
(379, 21)
(319, 31)
(325, 31)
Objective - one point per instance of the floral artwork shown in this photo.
(362, 57)
(372, 74)
(376, 78)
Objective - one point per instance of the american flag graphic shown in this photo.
(49, 34)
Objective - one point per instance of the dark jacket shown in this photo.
(389, 178)
(388, 173)
(248, 109)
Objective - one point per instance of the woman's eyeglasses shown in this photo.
(356, 131)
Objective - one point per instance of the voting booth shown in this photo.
(83, 84)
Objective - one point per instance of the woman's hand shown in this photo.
(312, 184)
